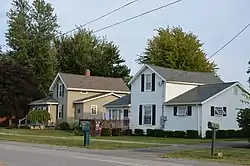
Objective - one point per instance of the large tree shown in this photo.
(174, 48)
(18, 87)
(83, 50)
(31, 30)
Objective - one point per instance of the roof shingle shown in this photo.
(124, 101)
(94, 82)
(200, 93)
(47, 99)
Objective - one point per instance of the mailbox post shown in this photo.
(85, 125)
(214, 127)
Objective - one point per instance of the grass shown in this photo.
(230, 155)
(72, 142)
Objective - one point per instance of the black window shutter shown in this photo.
(189, 113)
(62, 91)
(212, 110)
(225, 110)
(140, 115)
(62, 111)
(142, 82)
(153, 114)
(57, 90)
(175, 111)
(153, 81)
(57, 111)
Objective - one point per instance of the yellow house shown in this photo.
(77, 97)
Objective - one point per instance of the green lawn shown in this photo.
(73, 142)
(230, 155)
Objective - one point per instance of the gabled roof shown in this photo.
(93, 83)
(200, 94)
(95, 97)
(168, 74)
(123, 101)
(44, 101)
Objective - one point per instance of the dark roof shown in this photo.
(184, 76)
(200, 93)
(94, 82)
(90, 97)
(125, 100)
(44, 100)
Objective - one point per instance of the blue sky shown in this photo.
(214, 22)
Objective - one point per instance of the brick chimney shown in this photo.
(87, 72)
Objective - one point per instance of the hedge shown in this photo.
(128, 132)
(192, 134)
(159, 133)
(105, 132)
(64, 126)
(116, 131)
(180, 134)
(226, 134)
(139, 132)
(169, 133)
(150, 132)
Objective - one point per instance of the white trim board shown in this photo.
(95, 98)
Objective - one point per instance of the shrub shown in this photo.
(24, 127)
(150, 132)
(139, 132)
(159, 133)
(222, 134)
(128, 132)
(231, 133)
(13, 126)
(169, 133)
(64, 126)
(105, 132)
(116, 132)
(209, 134)
(192, 134)
(179, 134)
(78, 133)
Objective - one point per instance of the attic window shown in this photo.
(220, 111)
(60, 90)
(148, 82)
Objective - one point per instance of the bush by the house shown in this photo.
(139, 132)
(105, 132)
(222, 134)
(128, 132)
(180, 134)
(169, 133)
(240, 134)
(231, 134)
(226, 134)
(64, 126)
(13, 126)
(116, 132)
(159, 133)
(24, 127)
(192, 134)
(150, 132)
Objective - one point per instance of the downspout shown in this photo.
(163, 100)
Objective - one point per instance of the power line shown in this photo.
(105, 15)
(142, 14)
(222, 47)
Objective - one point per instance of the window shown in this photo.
(60, 94)
(93, 109)
(114, 114)
(125, 112)
(219, 111)
(182, 111)
(148, 82)
(44, 108)
(147, 114)
(60, 112)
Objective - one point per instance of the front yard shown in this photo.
(230, 155)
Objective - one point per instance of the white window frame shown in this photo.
(44, 108)
(182, 110)
(60, 112)
(151, 112)
(112, 114)
(219, 111)
(60, 90)
(91, 107)
(148, 82)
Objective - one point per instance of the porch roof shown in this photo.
(124, 101)
(45, 101)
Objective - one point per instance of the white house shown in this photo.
(169, 99)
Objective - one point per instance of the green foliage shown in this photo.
(208, 134)
(31, 30)
(173, 48)
(39, 116)
(83, 50)
(192, 134)
(18, 87)
(243, 119)
(159, 133)
(78, 133)
(139, 132)
(116, 132)
(64, 126)
(128, 132)
(227, 134)
(231, 134)
(105, 132)
(150, 132)
(180, 134)
(169, 133)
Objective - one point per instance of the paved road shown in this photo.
(14, 155)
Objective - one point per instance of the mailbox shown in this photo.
(85, 125)
(212, 125)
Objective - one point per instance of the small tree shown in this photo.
(39, 116)
(243, 120)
